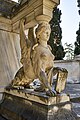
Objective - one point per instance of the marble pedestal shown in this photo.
(30, 105)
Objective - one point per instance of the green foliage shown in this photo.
(77, 42)
(78, 5)
(56, 30)
(58, 51)
(56, 35)
(69, 50)
(77, 49)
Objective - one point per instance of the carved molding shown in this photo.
(5, 24)
(34, 11)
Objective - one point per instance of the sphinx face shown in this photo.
(44, 35)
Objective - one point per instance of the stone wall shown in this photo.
(9, 53)
(73, 67)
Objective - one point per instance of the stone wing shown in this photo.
(25, 43)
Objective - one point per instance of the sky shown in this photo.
(70, 20)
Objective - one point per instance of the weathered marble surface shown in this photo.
(30, 105)
(9, 40)
(73, 67)
(9, 54)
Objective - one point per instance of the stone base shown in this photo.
(30, 105)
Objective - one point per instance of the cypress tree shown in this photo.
(56, 35)
(77, 42)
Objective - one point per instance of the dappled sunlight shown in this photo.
(15, 1)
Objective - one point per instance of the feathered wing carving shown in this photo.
(25, 74)
(31, 36)
(26, 43)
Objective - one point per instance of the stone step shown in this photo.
(76, 108)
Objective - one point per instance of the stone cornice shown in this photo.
(34, 12)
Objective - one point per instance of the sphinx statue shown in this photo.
(36, 58)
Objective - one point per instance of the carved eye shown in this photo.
(47, 32)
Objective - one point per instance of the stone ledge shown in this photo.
(39, 97)
(30, 105)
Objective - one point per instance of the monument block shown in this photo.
(31, 105)
(73, 74)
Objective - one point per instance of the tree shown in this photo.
(77, 43)
(69, 50)
(56, 35)
(78, 5)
